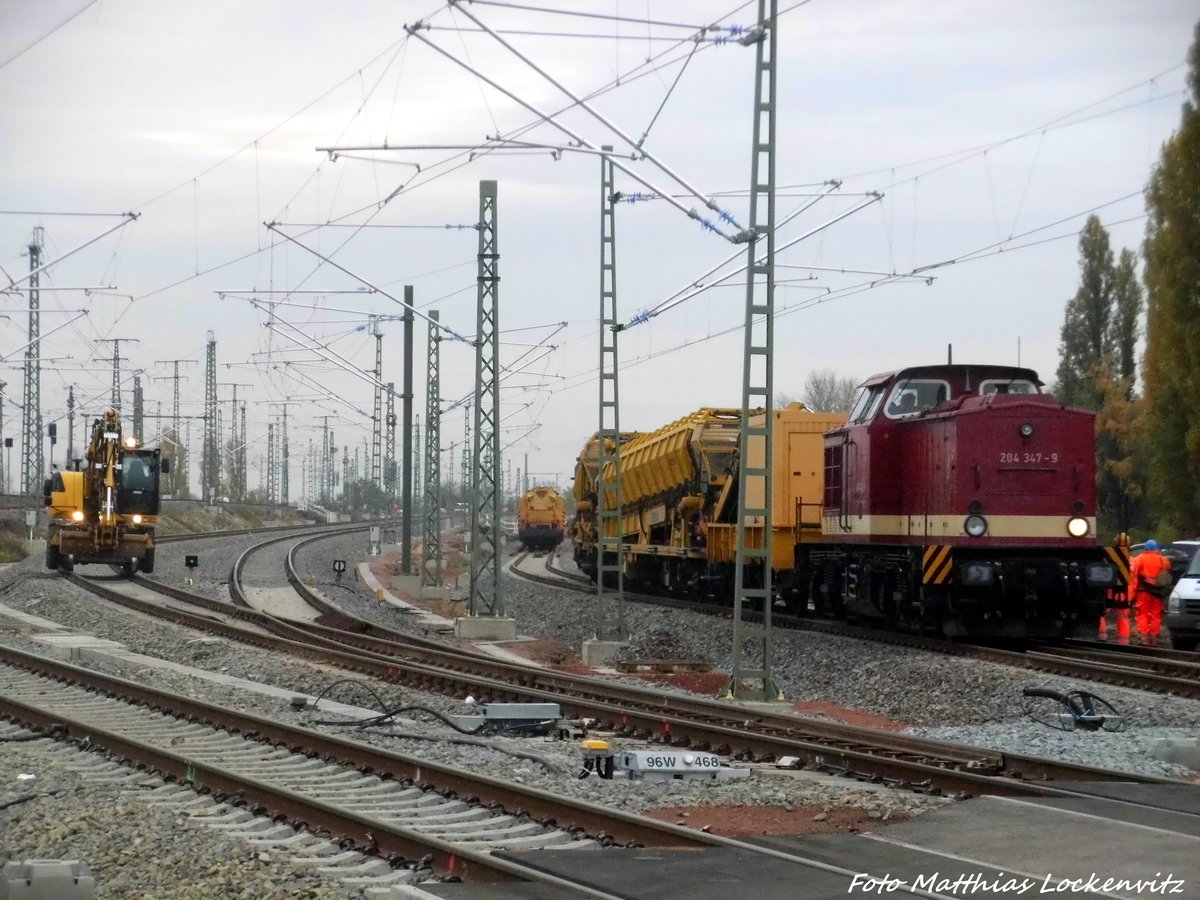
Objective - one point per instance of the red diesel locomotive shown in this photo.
(961, 500)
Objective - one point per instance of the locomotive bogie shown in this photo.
(953, 591)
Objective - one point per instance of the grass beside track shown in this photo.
(12, 542)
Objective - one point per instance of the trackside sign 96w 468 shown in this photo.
(670, 764)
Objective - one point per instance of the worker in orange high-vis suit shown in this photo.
(1116, 601)
(1145, 593)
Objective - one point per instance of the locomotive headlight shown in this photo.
(1099, 573)
(77, 516)
(975, 526)
(1027, 430)
(137, 520)
(1077, 526)
(131, 442)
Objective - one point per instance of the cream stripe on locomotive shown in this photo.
(951, 526)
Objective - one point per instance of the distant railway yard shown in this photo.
(260, 722)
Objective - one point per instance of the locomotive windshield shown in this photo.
(866, 404)
(914, 396)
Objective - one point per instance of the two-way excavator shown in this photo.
(104, 508)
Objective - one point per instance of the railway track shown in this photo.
(629, 710)
(1152, 669)
(404, 809)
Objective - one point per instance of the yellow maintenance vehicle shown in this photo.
(105, 508)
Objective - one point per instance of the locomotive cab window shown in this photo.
(913, 397)
(1007, 386)
(866, 404)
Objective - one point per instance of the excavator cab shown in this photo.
(137, 491)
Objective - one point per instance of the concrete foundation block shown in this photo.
(601, 653)
(485, 628)
(47, 879)
(1181, 751)
(435, 592)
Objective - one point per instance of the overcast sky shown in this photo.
(987, 126)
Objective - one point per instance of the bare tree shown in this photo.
(824, 391)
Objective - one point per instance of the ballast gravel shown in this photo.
(134, 850)
(911, 687)
(1108, 750)
(548, 764)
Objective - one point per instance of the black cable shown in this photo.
(390, 714)
(354, 681)
(1080, 705)
(20, 800)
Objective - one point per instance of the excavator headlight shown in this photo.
(77, 516)
(137, 520)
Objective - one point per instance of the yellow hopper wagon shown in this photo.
(679, 499)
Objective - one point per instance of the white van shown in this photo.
(1181, 617)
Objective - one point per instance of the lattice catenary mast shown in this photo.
(31, 413)
(485, 597)
(211, 469)
(610, 582)
(431, 540)
(377, 415)
(752, 570)
(406, 489)
(180, 464)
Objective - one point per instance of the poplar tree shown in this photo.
(1171, 367)
(1086, 335)
(1127, 309)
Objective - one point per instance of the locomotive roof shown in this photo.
(958, 370)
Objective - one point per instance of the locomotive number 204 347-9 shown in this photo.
(1028, 458)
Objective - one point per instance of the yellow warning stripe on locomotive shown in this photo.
(1119, 557)
(936, 564)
